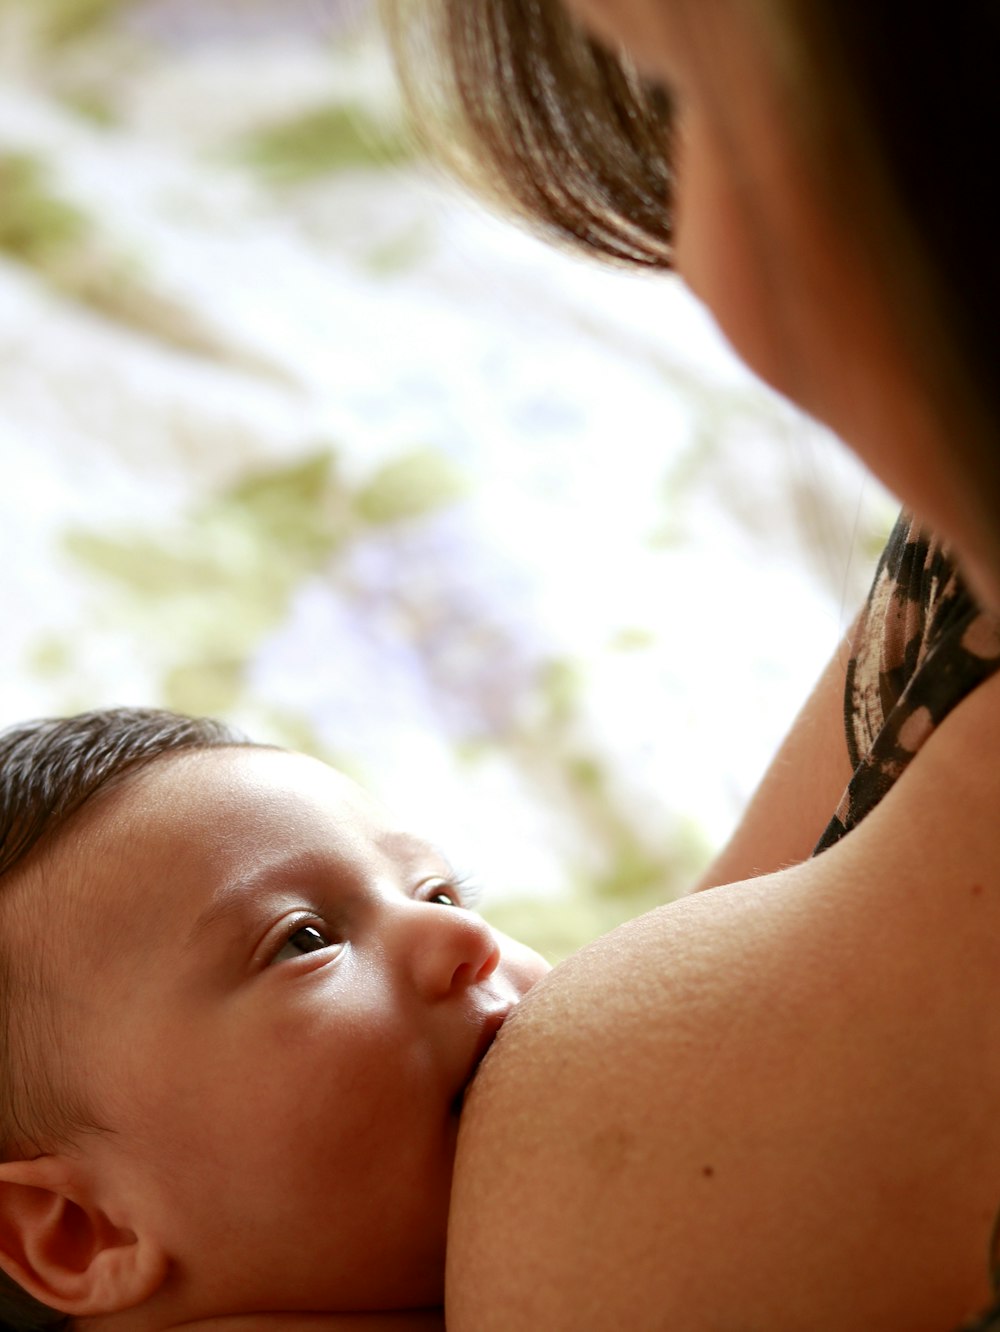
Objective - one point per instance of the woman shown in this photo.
(773, 1105)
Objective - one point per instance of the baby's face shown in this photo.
(278, 1000)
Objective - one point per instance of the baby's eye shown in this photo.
(306, 939)
(450, 892)
(444, 897)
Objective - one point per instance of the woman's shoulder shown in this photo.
(708, 1112)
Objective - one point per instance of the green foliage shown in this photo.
(409, 487)
(36, 226)
(635, 876)
(51, 657)
(619, 871)
(93, 104)
(299, 510)
(64, 21)
(62, 244)
(400, 253)
(561, 686)
(872, 539)
(324, 140)
(206, 594)
(251, 545)
(634, 638)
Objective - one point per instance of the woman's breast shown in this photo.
(696, 1121)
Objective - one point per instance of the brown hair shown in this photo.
(898, 106)
(48, 771)
(534, 114)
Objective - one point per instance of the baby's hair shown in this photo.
(49, 770)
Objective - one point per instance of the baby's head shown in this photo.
(240, 1008)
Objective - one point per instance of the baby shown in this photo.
(240, 1011)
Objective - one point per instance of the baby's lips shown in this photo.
(491, 1024)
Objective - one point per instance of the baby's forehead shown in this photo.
(160, 841)
(199, 793)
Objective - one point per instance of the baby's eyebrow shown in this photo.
(236, 899)
(229, 903)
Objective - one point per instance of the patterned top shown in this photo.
(922, 644)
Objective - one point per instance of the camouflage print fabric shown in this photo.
(921, 645)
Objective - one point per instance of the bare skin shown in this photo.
(417, 1321)
(768, 1105)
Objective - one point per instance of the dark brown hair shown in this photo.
(898, 108)
(49, 770)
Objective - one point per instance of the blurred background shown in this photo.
(293, 433)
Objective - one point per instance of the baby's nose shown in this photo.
(447, 948)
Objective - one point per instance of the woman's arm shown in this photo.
(767, 1106)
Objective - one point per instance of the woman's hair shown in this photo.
(48, 771)
(896, 105)
(533, 114)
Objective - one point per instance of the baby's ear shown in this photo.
(60, 1245)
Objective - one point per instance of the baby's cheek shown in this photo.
(522, 965)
